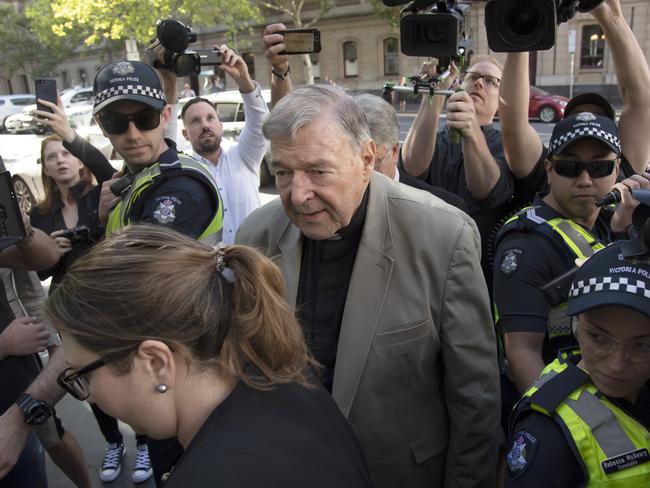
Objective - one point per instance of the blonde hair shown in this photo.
(485, 58)
(151, 282)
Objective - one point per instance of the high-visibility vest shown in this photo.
(571, 239)
(150, 178)
(613, 446)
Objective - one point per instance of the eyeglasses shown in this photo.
(604, 345)
(473, 77)
(573, 169)
(379, 162)
(116, 123)
(76, 382)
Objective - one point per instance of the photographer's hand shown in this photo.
(63, 244)
(273, 45)
(23, 336)
(235, 66)
(57, 121)
(608, 10)
(461, 115)
(429, 68)
(622, 217)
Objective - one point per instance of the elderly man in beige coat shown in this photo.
(388, 288)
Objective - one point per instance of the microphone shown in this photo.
(613, 197)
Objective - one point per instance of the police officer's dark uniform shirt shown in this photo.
(16, 372)
(524, 261)
(325, 271)
(183, 203)
(548, 460)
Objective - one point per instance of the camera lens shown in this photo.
(523, 19)
(185, 63)
(430, 33)
(524, 24)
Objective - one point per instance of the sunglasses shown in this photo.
(573, 169)
(116, 123)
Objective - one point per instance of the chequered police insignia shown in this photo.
(510, 261)
(165, 213)
(521, 454)
(585, 117)
(123, 68)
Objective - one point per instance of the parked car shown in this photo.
(12, 104)
(230, 108)
(545, 106)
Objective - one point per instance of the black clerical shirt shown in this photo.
(325, 271)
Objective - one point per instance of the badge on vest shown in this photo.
(165, 213)
(624, 461)
(510, 261)
(521, 454)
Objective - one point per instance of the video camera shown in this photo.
(430, 28)
(175, 37)
(519, 26)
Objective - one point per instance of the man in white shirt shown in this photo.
(236, 168)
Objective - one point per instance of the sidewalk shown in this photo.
(78, 419)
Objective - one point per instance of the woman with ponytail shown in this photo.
(179, 339)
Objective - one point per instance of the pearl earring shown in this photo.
(162, 388)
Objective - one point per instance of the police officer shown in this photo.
(586, 420)
(158, 185)
(542, 242)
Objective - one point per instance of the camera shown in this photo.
(175, 37)
(429, 28)
(519, 26)
(79, 236)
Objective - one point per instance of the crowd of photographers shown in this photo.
(378, 324)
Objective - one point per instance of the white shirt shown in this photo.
(238, 171)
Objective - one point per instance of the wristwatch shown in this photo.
(36, 412)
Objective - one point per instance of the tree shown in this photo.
(390, 14)
(294, 9)
(136, 19)
(22, 47)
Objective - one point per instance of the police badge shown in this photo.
(510, 261)
(123, 68)
(165, 213)
(585, 117)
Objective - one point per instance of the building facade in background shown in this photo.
(360, 51)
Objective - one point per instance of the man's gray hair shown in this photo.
(306, 104)
(382, 119)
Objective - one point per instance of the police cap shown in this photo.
(607, 278)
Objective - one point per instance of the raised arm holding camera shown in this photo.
(524, 149)
(236, 169)
(280, 70)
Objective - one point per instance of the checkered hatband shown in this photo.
(607, 283)
(145, 91)
(585, 131)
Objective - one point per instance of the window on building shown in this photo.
(24, 81)
(10, 87)
(249, 59)
(82, 77)
(391, 56)
(592, 49)
(350, 61)
(65, 79)
(315, 65)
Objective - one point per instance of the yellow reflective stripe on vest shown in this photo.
(602, 433)
(581, 242)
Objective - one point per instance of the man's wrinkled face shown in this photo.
(479, 83)
(202, 128)
(321, 177)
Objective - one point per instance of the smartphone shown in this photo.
(45, 89)
(301, 41)
(210, 57)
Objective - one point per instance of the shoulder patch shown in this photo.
(165, 212)
(510, 261)
(521, 453)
